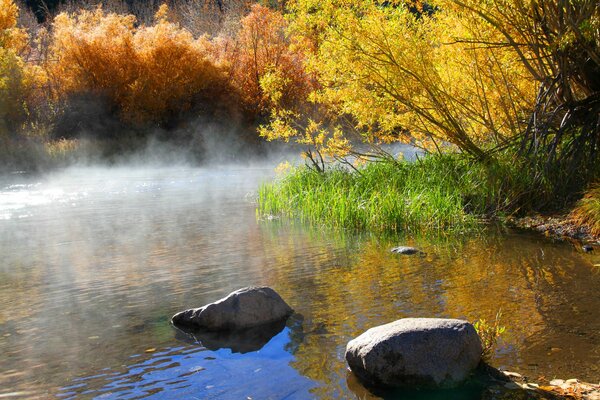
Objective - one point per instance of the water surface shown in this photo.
(96, 260)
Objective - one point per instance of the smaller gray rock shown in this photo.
(406, 250)
(430, 352)
(245, 308)
(587, 248)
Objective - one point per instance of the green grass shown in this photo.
(441, 193)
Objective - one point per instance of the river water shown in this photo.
(95, 261)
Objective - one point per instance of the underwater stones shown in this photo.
(406, 250)
(245, 308)
(430, 352)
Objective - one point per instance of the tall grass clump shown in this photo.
(587, 210)
(442, 192)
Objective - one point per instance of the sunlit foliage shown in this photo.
(260, 50)
(405, 75)
(148, 73)
(13, 74)
(489, 333)
(558, 44)
(447, 193)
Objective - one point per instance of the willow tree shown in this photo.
(400, 74)
(481, 75)
(558, 43)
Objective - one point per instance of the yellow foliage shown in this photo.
(162, 13)
(403, 76)
(16, 79)
(8, 14)
(10, 35)
(148, 73)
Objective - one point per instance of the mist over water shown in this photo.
(96, 259)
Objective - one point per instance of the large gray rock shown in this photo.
(242, 309)
(430, 352)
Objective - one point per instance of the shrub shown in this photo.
(260, 48)
(18, 80)
(148, 74)
(489, 333)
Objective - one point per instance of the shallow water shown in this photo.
(96, 260)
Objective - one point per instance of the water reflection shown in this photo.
(90, 277)
(238, 341)
(194, 372)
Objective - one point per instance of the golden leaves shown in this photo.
(149, 72)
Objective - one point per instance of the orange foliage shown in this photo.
(17, 79)
(262, 48)
(10, 35)
(148, 74)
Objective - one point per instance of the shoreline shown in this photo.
(553, 389)
(558, 227)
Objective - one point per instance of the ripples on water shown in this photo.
(95, 261)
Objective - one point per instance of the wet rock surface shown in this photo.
(427, 352)
(245, 308)
(406, 250)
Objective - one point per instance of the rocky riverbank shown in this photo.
(558, 226)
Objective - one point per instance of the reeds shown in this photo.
(442, 193)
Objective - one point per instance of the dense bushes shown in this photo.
(147, 71)
(149, 74)
(14, 76)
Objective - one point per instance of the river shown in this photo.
(96, 260)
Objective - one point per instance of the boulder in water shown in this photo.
(245, 308)
(406, 250)
(430, 352)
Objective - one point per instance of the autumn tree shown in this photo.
(406, 76)
(259, 49)
(558, 44)
(16, 78)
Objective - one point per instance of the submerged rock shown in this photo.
(430, 352)
(245, 308)
(406, 250)
(587, 248)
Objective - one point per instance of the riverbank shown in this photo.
(559, 226)
(438, 193)
(442, 193)
(551, 389)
